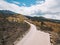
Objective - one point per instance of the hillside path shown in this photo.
(35, 37)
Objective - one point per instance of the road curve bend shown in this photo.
(35, 37)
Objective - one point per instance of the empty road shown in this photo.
(34, 37)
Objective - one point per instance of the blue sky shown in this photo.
(24, 2)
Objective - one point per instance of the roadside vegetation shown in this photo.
(49, 26)
(12, 27)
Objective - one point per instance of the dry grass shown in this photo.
(55, 27)
(52, 28)
(11, 28)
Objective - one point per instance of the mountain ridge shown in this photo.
(43, 19)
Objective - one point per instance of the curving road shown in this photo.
(35, 37)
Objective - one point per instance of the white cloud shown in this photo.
(49, 9)
(24, 4)
(45, 8)
(9, 6)
(39, 2)
(15, 8)
(52, 16)
(15, 2)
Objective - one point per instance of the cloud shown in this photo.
(52, 16)
(48, 8)
(39, 2)
(15, 2)
(9, 6)
(15, 8)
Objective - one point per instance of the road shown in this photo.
(35, 37)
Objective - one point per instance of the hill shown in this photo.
(12, 26)
(43, 19)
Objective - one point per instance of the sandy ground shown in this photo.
(34, 37)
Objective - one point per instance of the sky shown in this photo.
(45, 8)
(24, 2)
